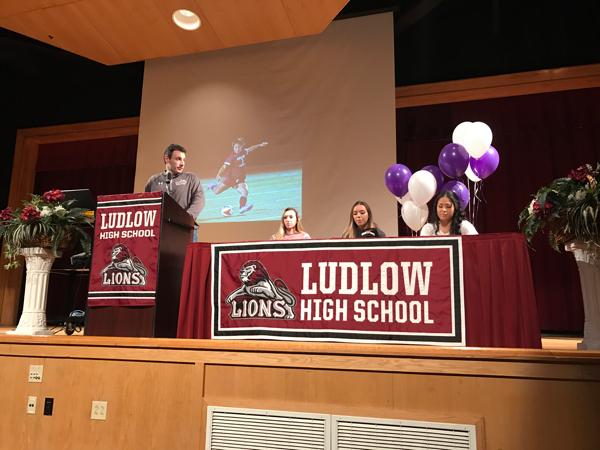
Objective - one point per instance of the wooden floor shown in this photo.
(548, 342)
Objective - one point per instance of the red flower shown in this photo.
(53, 195)
(540, 211)
(6, 214)
(29, 214)
(580, 174)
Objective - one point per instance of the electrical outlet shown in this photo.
(31, 404)
(48, 406)
(99, 409)
(36, 373)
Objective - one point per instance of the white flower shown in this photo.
(530, 207)
(60, 211)
(46, 211)
(579, 195)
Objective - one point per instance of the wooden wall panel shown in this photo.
(150, 405)
(515, 411)
(158, 389)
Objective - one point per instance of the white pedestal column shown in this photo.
(38, 262)
(588, 263)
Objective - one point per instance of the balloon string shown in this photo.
(470, 188)
(475, 204)
(472, 206)
(479, 197)
(468, 209)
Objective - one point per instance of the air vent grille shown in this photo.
(254, 429)
(245, 429)
(358, 433)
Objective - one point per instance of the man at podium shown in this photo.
(184, 187)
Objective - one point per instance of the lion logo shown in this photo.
(257, 285)
(129, 267)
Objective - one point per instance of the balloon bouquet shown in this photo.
(470, 154)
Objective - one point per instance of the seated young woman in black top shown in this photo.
(361, 223)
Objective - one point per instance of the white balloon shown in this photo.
(461, 132)
(414, 216)
(478, 139)
(422, 187)
(485, 131)
(404, 198)
(470, 175)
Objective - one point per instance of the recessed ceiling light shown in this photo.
(186, 19)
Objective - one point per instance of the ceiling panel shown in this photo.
(121, 31)
(66, 27)
(242, 22)
(10, 7)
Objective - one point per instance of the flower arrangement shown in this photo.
(567, 209)
(44, 221)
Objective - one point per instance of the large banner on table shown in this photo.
(380, 290)
(125, 256)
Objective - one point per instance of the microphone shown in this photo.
(169, 177)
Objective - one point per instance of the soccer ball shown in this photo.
(227, 211)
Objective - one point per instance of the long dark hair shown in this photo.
(457, 218)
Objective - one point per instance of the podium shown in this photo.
(137, 264)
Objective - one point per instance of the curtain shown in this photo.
(105, 166)
(539, 137)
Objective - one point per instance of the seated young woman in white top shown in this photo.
(446, 218)
(290, 227)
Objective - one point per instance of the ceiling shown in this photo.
(122, 31)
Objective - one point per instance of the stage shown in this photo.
(159, 391)
(549, 342)
(495, 384)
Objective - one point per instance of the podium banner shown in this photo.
(371, 290)
(125, 256)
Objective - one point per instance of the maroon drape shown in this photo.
(194, 306)
(500, 308)
(539, 137)
(105, 166)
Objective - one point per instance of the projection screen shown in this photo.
(311, 122)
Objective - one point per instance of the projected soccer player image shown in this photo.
(232, 174)
(236, 195)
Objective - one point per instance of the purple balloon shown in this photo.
(437, 173)
(453, 160)
(460, 190)
(396, 179)
(484, 166)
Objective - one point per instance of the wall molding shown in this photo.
(522, 83)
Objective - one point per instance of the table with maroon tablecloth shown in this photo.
(499, 298)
